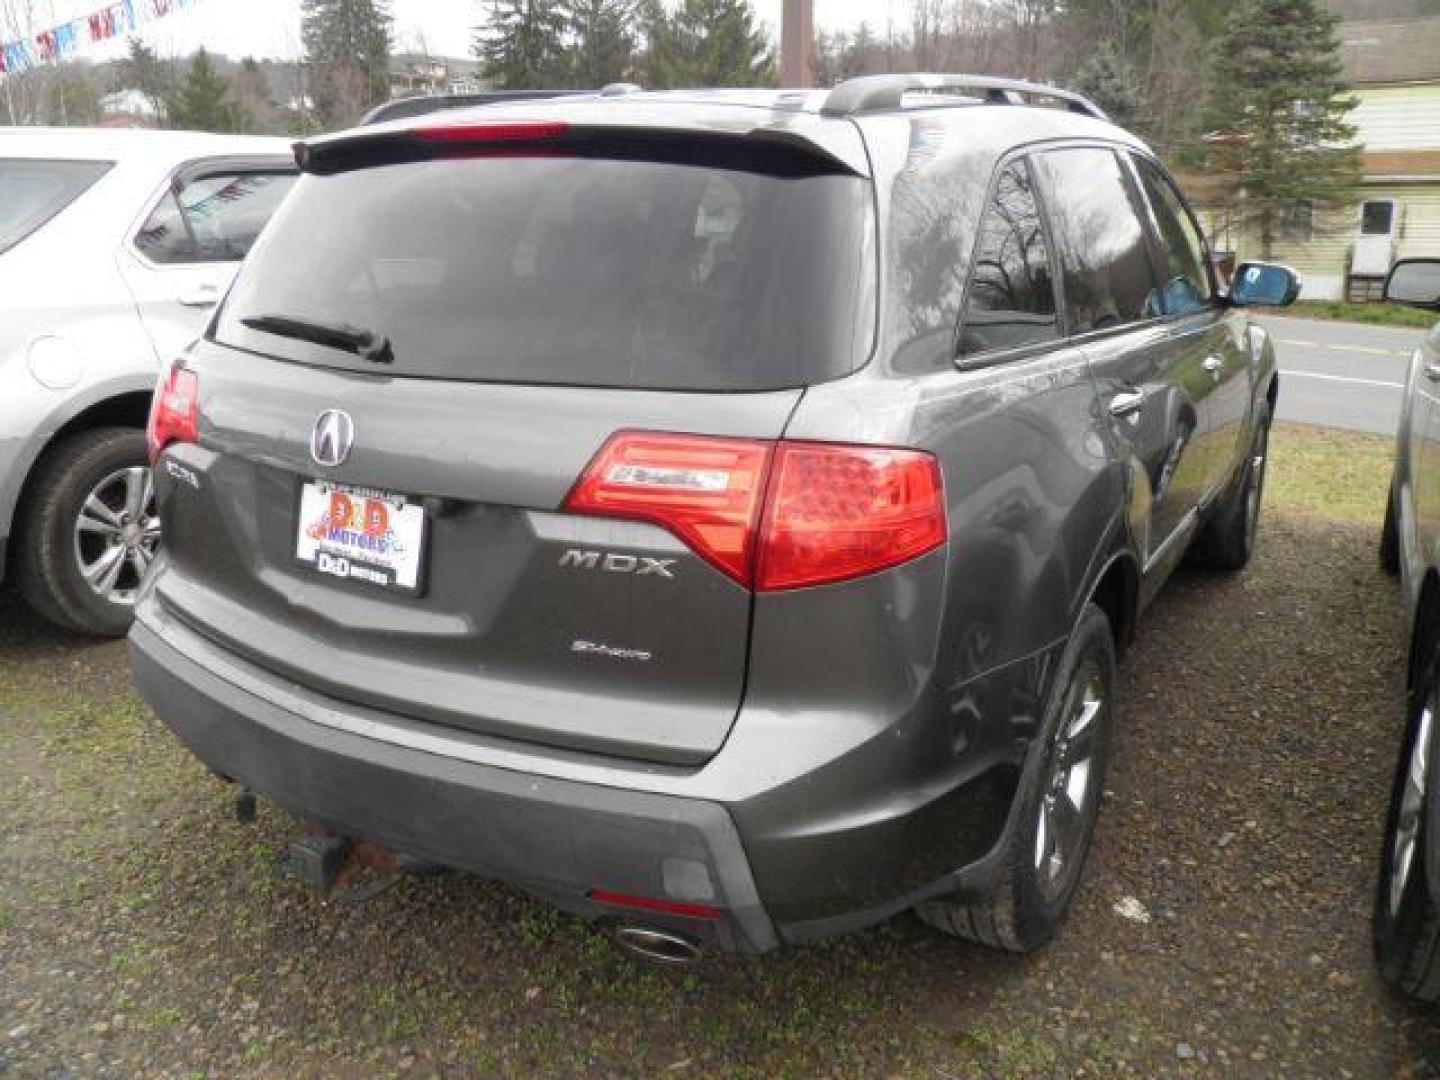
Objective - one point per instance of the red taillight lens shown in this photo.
(705, 490)
(494, 132)
(839, 512)
(174, 411)
(830, 513)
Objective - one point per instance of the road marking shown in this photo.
(1340, 378)
(1369, 349)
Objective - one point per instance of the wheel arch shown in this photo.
(122, 403)
(1425, 630)
(1117, 593)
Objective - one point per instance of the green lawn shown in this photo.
(1375, 314)
(1324, 473)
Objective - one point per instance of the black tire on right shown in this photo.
(48, 574)
(1016, 916)
(1407, 940)
(1390, 538)
(1227, 540)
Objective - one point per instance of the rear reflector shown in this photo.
(664, 907)
(772, 515)
(174, 411)
(494, 131)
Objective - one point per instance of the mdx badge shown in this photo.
(332, 437)
(616, 562)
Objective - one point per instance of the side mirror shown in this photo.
(1264, 285)
(1415, 282)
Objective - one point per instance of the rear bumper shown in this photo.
(812, 851)
(557, 838)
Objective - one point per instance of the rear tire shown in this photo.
(1058, 803)
(1390, 537)
(1228, 539)
(1406, 918)
(55, 546)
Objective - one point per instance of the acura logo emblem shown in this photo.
(332, 438)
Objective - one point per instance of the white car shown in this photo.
(115, 246)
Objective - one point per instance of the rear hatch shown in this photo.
(417, 364)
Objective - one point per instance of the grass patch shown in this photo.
(1374, 314)
(1323, 473)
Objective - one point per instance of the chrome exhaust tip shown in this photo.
(660, 946)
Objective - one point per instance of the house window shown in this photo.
(1297, 224)
(1377, 218)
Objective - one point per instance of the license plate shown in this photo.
(374, 537)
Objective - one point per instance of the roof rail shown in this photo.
(876, 93)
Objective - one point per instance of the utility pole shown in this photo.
(797, 40)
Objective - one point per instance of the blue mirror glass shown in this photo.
(1266, 284)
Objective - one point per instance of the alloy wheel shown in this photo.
(1404, 845)
(117, 534)
(1067, 791)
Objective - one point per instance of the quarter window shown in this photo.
(1187, 285)
(1104, 263)
(34, 190)
(1011, 299)
(212, 219)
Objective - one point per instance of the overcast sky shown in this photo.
(272, 27)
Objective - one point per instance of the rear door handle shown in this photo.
(1127, 402)
(1213, 364)
(1432, 370)
(201, 296)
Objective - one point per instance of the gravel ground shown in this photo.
(1222, 927)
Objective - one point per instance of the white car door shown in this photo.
(182, 258)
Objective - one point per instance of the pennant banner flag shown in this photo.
(60, 42)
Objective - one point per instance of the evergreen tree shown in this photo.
(1277, 105)
(523, 44)
(706, 43)
(202, 102)
(1108, 80)
(347, 47)
(142, 70)
(603, 41)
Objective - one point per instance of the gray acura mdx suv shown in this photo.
(716, 512)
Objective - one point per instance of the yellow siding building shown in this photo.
(1394, 66)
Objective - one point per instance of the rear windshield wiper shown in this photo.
(365, 344)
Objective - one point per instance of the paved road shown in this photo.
(1342, 375)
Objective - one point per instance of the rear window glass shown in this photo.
(578, 271)
(32, 192)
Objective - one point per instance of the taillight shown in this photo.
(772, 515)
(705, 490)
(174, 412)
(839, 512)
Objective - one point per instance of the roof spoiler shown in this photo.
(481, 134)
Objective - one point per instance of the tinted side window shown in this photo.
(1104, 263)
(1011, 299)
(213, 219)
(1187, 286)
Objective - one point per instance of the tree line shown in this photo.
(1250, 88)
